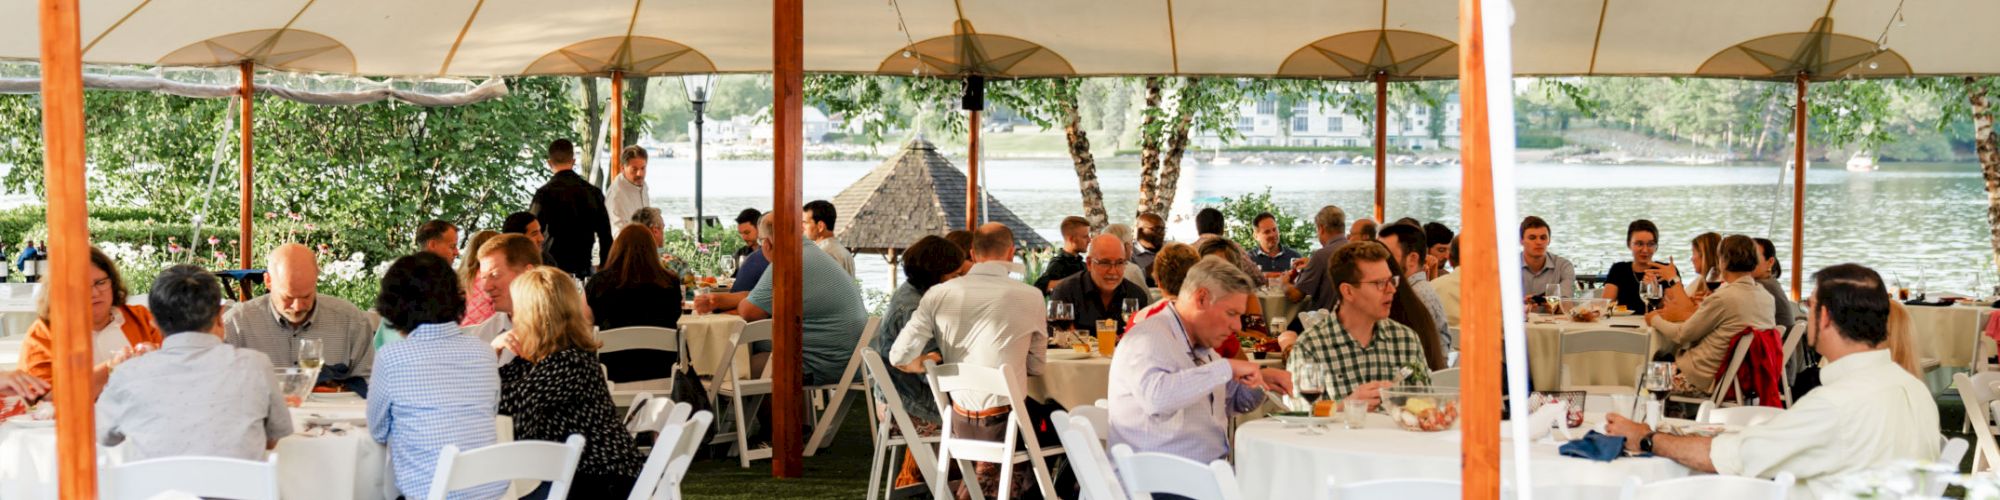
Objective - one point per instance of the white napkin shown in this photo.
(1547, 417)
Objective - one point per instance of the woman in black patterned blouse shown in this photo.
(556, 386)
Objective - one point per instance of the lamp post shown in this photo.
(697, 87)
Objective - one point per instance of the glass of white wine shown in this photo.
(309, 354)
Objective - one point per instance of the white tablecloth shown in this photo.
(1273, 461)
(1945, 333)
(1081, 382)
(709, 337)
(1545, 354)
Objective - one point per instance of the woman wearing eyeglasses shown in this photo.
(118, 331)
(1625, 282)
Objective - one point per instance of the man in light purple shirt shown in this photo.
(1170, 391)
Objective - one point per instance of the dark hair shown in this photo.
(822, 212)
(1346, 268)
(1409, 309)
(962, 238)
(1532, 222)
(1454, 251)
(1853, 296)
(1364, 229)
(1073, 222)
(1771, 252)
(929, 260)
(433, 230)
(1642, 226)
(748, 216)
(517, 223)
(634, 260)
(1409, 239)
(562, 152)
(632, 153)
(1158, 236)
(1412, 221)
(1436, 234)
(103, 263)
(1171, 265)
(1208, 221)
(1739, 254)
(993, 239)
(1259, 219)
(419, 289)
(1210, 244)
(186, 298)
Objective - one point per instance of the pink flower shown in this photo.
(212, 241)
(174, 248)
(310, 227)
(270, 215)
(221, 256)
(295, 215)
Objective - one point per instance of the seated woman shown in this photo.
(1408, 309)
(1625, 281)
(118, 331)
(435, 387)
(1768, 272)
(555, 386)
(928, 262)
(630, 291)
(1702, 342)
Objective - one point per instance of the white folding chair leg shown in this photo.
(830, 419)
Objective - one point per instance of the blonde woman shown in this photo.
(555, 386)
(1901, 347)
(478, 306)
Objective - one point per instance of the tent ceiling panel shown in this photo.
(1097, 37)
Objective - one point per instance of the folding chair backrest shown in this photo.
(1728, 380)
(1792, 339)
(1145, 474)
(639, 338)
(1578, 492)
(211, 477)
(878, 374)
(1711, 486)
(963, 378)
(1395, 489)
(679, 439)
(649, 413)
(1094, 475)
(1099, 418)
(753, 332)
(1978, 398)
(847, 375)
(528, 460)
(1445, 378)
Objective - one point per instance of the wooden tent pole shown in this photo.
(1381, 143)
(69, 293)
(972, 178)
(787, 104)
(1481, 332)
(618, 130)
(247, 93)
(1799, 186)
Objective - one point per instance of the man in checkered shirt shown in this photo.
(1355, 350)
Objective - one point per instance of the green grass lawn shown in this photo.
(840, 471)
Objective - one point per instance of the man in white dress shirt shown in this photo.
(1869, 413)
(625, 193)
(1170, 392)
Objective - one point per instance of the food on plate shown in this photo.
(1323, 408)
(1426, 415)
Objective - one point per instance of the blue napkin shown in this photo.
(338, 375)
(1595, 446)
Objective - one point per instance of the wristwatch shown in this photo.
(1646, 443)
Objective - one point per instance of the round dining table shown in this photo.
(1546, 362)
(1946, 333)
(1277, 460)
(710, 338)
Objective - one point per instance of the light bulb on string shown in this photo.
(1873, 65)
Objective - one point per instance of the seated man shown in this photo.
(1703, 340)
(1406, 245)
(1270, 255)
(1100, 292)
(502, 259)
(1169, 390)
(1068, 260)
(1868, 413)
(274, 323)
(1355, 351)
(196, 395)
(833, 315)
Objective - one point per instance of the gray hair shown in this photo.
(764, 225)
(649, 218)
(1125, 235)
(1331, 219)
(1218, 276)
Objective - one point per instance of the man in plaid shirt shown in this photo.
(1356, 350)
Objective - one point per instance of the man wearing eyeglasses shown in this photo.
(1354, 351)
(1100, 291)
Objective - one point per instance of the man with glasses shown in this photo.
(1355, 350)
(1101, 290)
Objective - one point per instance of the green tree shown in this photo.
(1293, 232)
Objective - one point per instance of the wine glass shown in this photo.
(1131, 308)
(1062, 316)
(1659, 380)
(1651, 292)
(310, 354)
(1307, 384)
(1552, 294)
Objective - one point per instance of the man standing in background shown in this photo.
(625, 194)
(572, 212)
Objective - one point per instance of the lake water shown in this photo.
(1907, 220)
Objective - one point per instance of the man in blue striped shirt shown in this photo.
(437, 387)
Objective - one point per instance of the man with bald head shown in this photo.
(294, 310)
(1099, 291)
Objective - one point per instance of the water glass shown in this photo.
(1354, 413)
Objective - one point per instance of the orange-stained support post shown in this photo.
(972, 178)
(618, 128)
(248, 94)
(1799, 187)
(69, 292)
(1381, 144)
(787, 104)
(1480, 254)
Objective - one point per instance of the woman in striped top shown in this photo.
(437, 386)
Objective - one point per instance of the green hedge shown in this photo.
(1537, 141)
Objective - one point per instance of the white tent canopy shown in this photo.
(1028, 38)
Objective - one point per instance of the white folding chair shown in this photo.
(1099, 416)
(666, 465)
(1637, 343)
(520, 460)
(1982, 349)
(211, 477)
(1577, 492)
(1004, 382)
(1094, 476)
(1711, 486)
(905, 435)
(1949, 455)
(1145, 474)
(650, 413)
(641, 338)
(1735, 416)
(1717, 393)
(1395, 489)
(832, 398)
(1977, 393)
(1445, 378)
(737, 389)
(1792, 336)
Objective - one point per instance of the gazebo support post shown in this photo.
(787, 103)
(1381, 143)
(1484, 318)
(974, 102)
(1799, 185)
(618, 132)
(69, 293)
(247, 93)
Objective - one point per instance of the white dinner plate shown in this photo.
(1307, 420)
(1068, 355)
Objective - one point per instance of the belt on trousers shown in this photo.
(989, 412)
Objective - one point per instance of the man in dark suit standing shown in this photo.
(572, 212)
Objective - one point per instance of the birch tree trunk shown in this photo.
(1149, 146)
(593, 122)
(1985, 145)
(1177, 141)
(1079, 153)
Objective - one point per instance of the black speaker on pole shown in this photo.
(975, 93)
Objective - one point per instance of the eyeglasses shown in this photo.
(1646, 244)
(101, 284)
(1108, 262)
(1384, 284)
